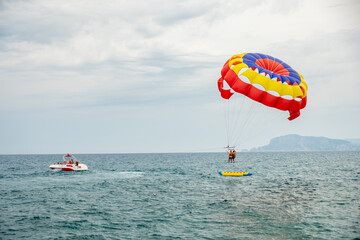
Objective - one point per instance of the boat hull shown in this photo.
(68, 167)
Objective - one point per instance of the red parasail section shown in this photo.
(272, 66)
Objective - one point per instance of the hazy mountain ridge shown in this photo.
(354, 141)
(295, 142)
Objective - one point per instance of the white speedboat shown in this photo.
(70, 163)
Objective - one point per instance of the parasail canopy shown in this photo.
(264, 79)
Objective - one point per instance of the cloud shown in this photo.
(130, 42)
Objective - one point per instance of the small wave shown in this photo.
(114, 175)
(129, 174)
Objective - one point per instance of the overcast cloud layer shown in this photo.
(140, 76)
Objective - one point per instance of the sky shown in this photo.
(141, 76)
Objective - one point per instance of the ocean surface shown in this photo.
(300, 195)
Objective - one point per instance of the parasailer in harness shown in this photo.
(232, 154)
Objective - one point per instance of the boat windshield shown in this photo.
(69, 158)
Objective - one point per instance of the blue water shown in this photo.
(307, 195)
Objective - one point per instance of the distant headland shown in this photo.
(294, 142)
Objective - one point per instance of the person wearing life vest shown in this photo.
(233, 156)
(230, 156)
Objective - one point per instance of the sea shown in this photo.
(291, 195)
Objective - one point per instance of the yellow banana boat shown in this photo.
(235, 174)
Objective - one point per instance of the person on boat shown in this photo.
(64, 161)
(77, 163)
